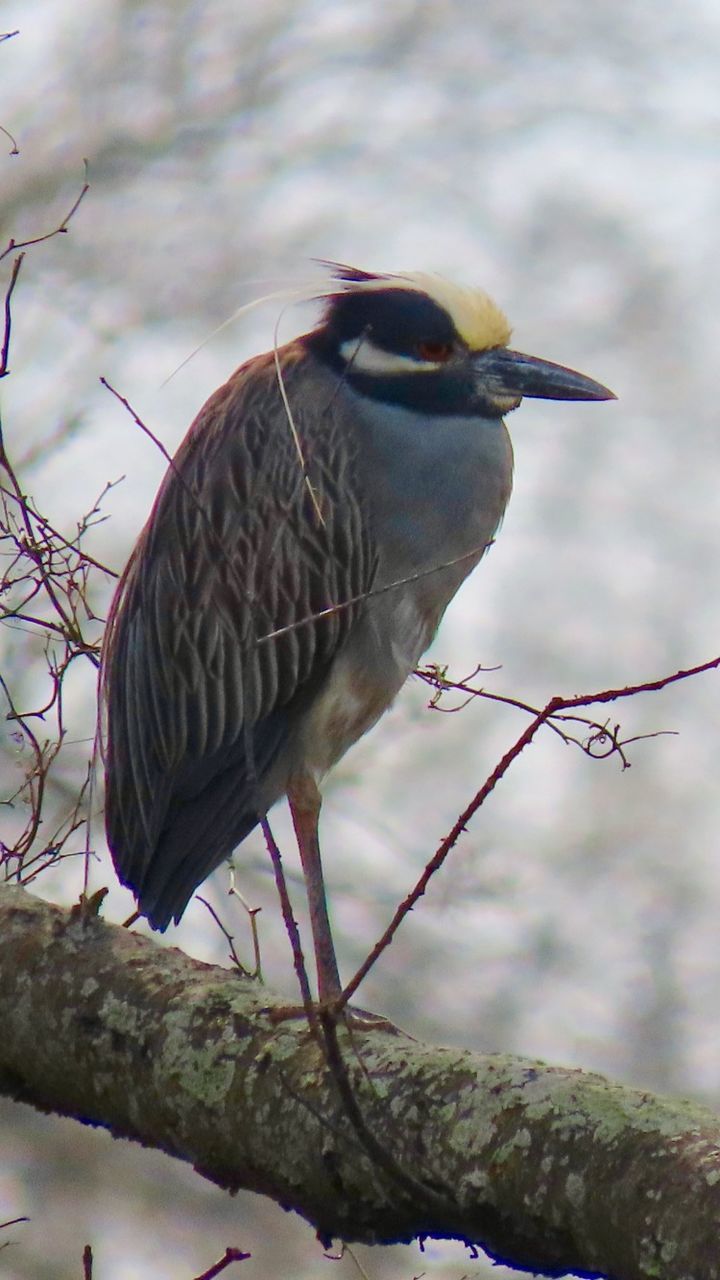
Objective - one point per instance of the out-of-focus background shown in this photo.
(567, 158)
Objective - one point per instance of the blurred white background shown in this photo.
(567, 158)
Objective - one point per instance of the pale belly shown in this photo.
(364, 679)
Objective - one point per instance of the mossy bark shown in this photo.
(548, 1169)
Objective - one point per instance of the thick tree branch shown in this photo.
(550, 1169)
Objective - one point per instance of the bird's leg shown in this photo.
(305, 800)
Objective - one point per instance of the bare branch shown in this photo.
(185, 1057)
(599, 743)
(551, 710)
(45, 589)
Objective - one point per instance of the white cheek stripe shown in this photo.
(362, 354)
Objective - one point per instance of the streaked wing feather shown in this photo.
(232, 552)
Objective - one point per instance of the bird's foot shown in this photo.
(349, 1015)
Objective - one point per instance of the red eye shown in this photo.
(434, 352)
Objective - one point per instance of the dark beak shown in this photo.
(509, 373)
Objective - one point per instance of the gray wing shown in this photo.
(200, 689)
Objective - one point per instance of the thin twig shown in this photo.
(252, 913)
(290, 922)
(601, 742)
(5, 351)
(14, 149)
(346, 1251)
(35, 779)
(227, 936)
(42, 567)
(137, 419)
(59, 230)
(231, 1255)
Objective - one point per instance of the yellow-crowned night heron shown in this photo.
(319, 516)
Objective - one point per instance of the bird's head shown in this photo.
(418, 340)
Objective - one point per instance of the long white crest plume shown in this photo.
(475, 314)
(311, 290)
(287, 296)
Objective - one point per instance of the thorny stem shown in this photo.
(555, 705)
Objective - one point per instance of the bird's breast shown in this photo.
(436, 485)
(434, 490)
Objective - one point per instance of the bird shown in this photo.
(323, 509)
